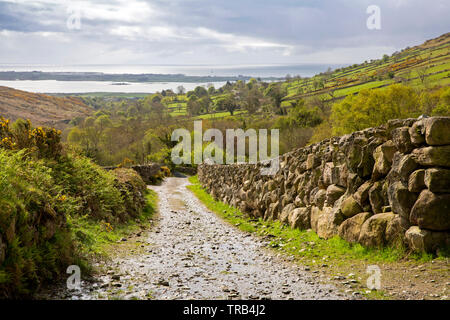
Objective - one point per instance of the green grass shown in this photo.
(357, 88)
(219, 115)
(95, 237)
(178, 113)
(301, 243)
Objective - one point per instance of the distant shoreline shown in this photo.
(118, 78)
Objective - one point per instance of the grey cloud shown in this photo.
(243, 31)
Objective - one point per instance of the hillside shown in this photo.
(41, 109)
(425, 65)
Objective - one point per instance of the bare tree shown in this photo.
(422, 73)
(181, 90)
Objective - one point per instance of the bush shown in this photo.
(443, 107)
(372, 108)
(43, 142)
(41, 188)
(91, 189)
(132, 189)
(35, 244)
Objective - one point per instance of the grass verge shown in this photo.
(333, 257)
(96, 238)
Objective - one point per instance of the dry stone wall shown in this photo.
(388, 185)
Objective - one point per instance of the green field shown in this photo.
(431, 58)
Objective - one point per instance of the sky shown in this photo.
(212, 32)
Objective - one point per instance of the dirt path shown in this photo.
(193, 254)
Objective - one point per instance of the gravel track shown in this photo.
(193, 254)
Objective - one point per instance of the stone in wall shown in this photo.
(396, 229)
(416, 181)
(431, 211)
(437, 180)
(333, 193)
(328, 222)
(383, 156)
(300, 218)
(373, 230)
(426, 240)
(350, 207)
(438, 156)
(417, 133)
(350, 229)
(402, 139)
(377, 197)
(401, 199)
(437, 131)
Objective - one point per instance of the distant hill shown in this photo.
(41, 109)
(120, 79)
(423, 66)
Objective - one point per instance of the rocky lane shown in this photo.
(193, 254)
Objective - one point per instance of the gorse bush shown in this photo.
(43, 142)
(42, 187)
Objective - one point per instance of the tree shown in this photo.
(252, 83)
(154, 105)
(181, 90)
(193, 106)
(443, 108)
(304, 116)
(239, 85)
(277, 92)
(200, 91)
(228, 86)
(132, 111)
(251, 101)
(103, 122)
(228, 102)
(422, 73)
(371, 108)
(296, 127)
(328, 73)
(205, 103)
(211, 90)
(166, 101)
(318, 84)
